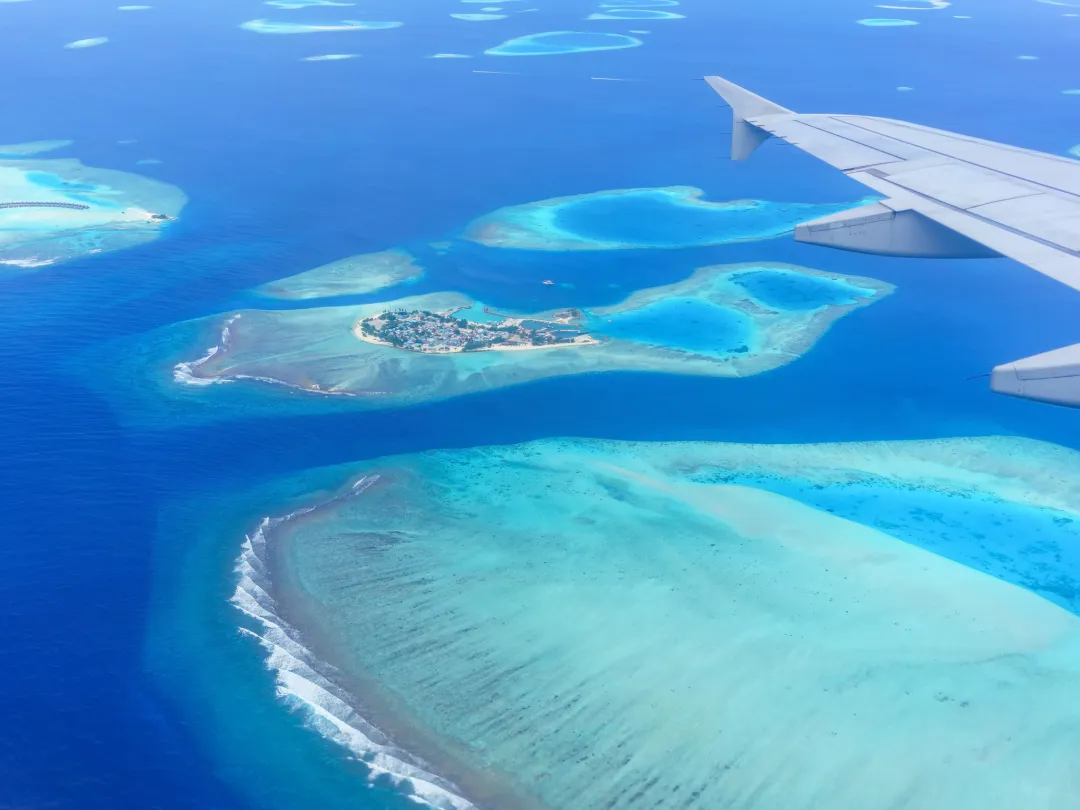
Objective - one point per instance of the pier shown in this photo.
(75, 206)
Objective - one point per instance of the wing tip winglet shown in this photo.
(745, 137)
(743, 103)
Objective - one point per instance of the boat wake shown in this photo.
(305, 684)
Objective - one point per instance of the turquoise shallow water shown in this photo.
(558, 610)
(693, 324)
(601, 648)
(47, 180)
(1034, 548)
(792, 291)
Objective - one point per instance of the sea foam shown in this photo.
(305, 684)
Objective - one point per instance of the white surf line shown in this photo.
(303, 685)
(184, 372)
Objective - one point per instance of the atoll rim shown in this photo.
(677, 607)
(623, 219)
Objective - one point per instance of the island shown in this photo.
(729, 321)
(57, 210)
(443, 333)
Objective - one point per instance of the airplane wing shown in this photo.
(946, 195)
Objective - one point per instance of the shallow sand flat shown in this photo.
(671, 217)
(315, 349)
(593, 619)
(118, 212)
(19, 150)
(355, 275)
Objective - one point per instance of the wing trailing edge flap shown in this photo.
(1052, 377)
(888, 228)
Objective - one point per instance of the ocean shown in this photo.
(127, 683)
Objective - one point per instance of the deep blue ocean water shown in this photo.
(291, 164)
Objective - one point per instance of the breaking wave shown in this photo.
(305, 684)
(185, 372)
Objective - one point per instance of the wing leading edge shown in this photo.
(946, 195)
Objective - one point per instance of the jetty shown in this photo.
(75, 206)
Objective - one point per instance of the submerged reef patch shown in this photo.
(882, 22)
(552, 43)
(355, 275)
(710, 324)
(54, 210)
(616, 623)
(636, 14)
(91, 42)
(330, 57)
(275, 27)
(927, 5)
(18, 150)
(295, 4)
(672, 217)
